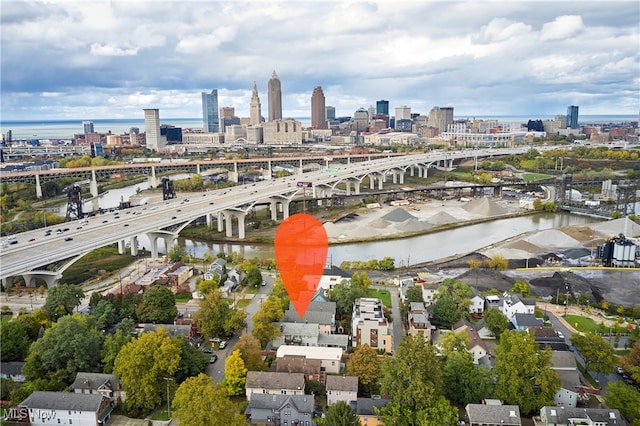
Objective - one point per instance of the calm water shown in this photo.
(65, 129)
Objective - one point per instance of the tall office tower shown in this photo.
(403, 113)
(88, 127)
(371, 110)
(360, 120)
(210, 120)
(318, 113)
(382, 107)
(572, 117)
(152, 129)
(330, 113)
(227, 112)
(255, 112)
(441, 118)
(274, 97)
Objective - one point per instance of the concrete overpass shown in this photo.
(166, 219)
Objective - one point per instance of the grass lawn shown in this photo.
(532, 177)
(243, 303)
(183, 298)
(383, 295)
(585, 324)
(251, 289)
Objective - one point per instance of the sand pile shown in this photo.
(379, 223)
(485, 207)
(398, 215)
(413, 225)
(441, 218)
(618, 226)
(552, 238)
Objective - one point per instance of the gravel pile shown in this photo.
(398, 215)
(553, 238)
(618, 226)
(441, 218)
(485, 207)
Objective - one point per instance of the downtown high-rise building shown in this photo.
(572, 117)
(210, 119)
(440, 118)
(382, 107)
(318, 112)
(255, 110)
(330, 113)
(152, 129)
(87, 127)
(274, 98)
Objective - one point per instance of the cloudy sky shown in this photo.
(109, 59)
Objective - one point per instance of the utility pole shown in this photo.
(168, 379)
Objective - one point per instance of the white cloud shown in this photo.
(561, 28)
(110, 50)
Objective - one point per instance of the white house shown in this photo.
(564, 363)
(332, 276)
(515, 304)
(12, 370)
(98, 383)
(331, 358)
(369, 325)
(477, 347)
(45, 408)
(342, 388)
(477, 302)
(259, 382)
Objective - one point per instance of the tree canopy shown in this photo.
(158, 306)
(631, 362)
(15, 341)
(496, 321)
(250, 352)
(62, 300)
(235, 374)
(365, 364)
(213, 313)
(340, 414)
(598, 354)
(625, 398)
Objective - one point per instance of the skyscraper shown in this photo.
(441, 118)
(572, 117)
(318, 112)
(88, 127)
(330, 112)
(210, 119)
(255, 112)
(382, 107)
(152, 129)
(274, 97)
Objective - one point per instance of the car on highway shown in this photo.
(31, 240)
(213, 359)
(68, 239)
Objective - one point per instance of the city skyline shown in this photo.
(64, 60)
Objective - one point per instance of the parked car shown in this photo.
(213, 359)
(223, 344)
(206, 350)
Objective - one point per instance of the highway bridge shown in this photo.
(166, 219)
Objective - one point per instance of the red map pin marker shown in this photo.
(301, 247)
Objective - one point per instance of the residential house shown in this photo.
(281, 410)
(493, 302)
(477, 302)
(429, 289)
(330, 358)
(406, 281)
(98, 383)
(522, 322)
(332, 276)
(418, 320)
(547, 337)
(217, 268)
(12, 370)
(185, 330)
(311, 368)
(564, 363)
(566, 416)
(300, 334)
(341, 388)
(369, 325)
(323, 314)
(366, 410)
(268, 382)
(47, 408)
(476, 346)
(493, 415)
(515, 304)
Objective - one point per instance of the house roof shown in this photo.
(563, 360)
(541, 332)
(311, 352)
(311, 317)
(11, 368)
(417, 306)
(526, 320)
(570, 379)
(342, 383)
(274, 380)
(298, 364)
(322, 306)
(494, 414)
(47, 400)
(95, 380)
(561, 415)
(333, 340)
(172, 329)
(302, 403)
(299, 329)
(335, 271)
(367, 406)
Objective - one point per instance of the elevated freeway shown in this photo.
(166, 219)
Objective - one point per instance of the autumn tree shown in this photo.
(211, 316)
(340, 414)
(496, 322)
(71, 345)
(198, 402)
(596, 351)
(234, 323)
(365, 364)
(250, 352)
(235, 374)
(624, 398)
(413, 379)
(143, 364)
(158, 306)
(264, 327)
(206, 286)
(453, 342)
(631, 362)
(521, 287)
(62, 300)
(498, 263)
(524, 376)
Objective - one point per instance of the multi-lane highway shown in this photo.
(33, 249)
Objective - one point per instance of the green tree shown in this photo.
(143, 365)
(340, 414)
(62, 300)
(213, 313)
(624, 398)
(207, 286)
(235, 374)
(254, 276)
(365, 364)
(465, 382)
(413, 294)
(452, 342)
(630, 362)
(387, 264)
(598, 354)
(270, 312)
(445, 311)
(198, 402)
(496, 322)
(524, 374)
(521, 287)
(234, 323)
(176, 253)
(114, 342)
(72, 344)
(104, 313)
(192, 360)
(344, 294)
(250, 352)
(15, 341)
(413, 379)
(33, 323)
(158, 306)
